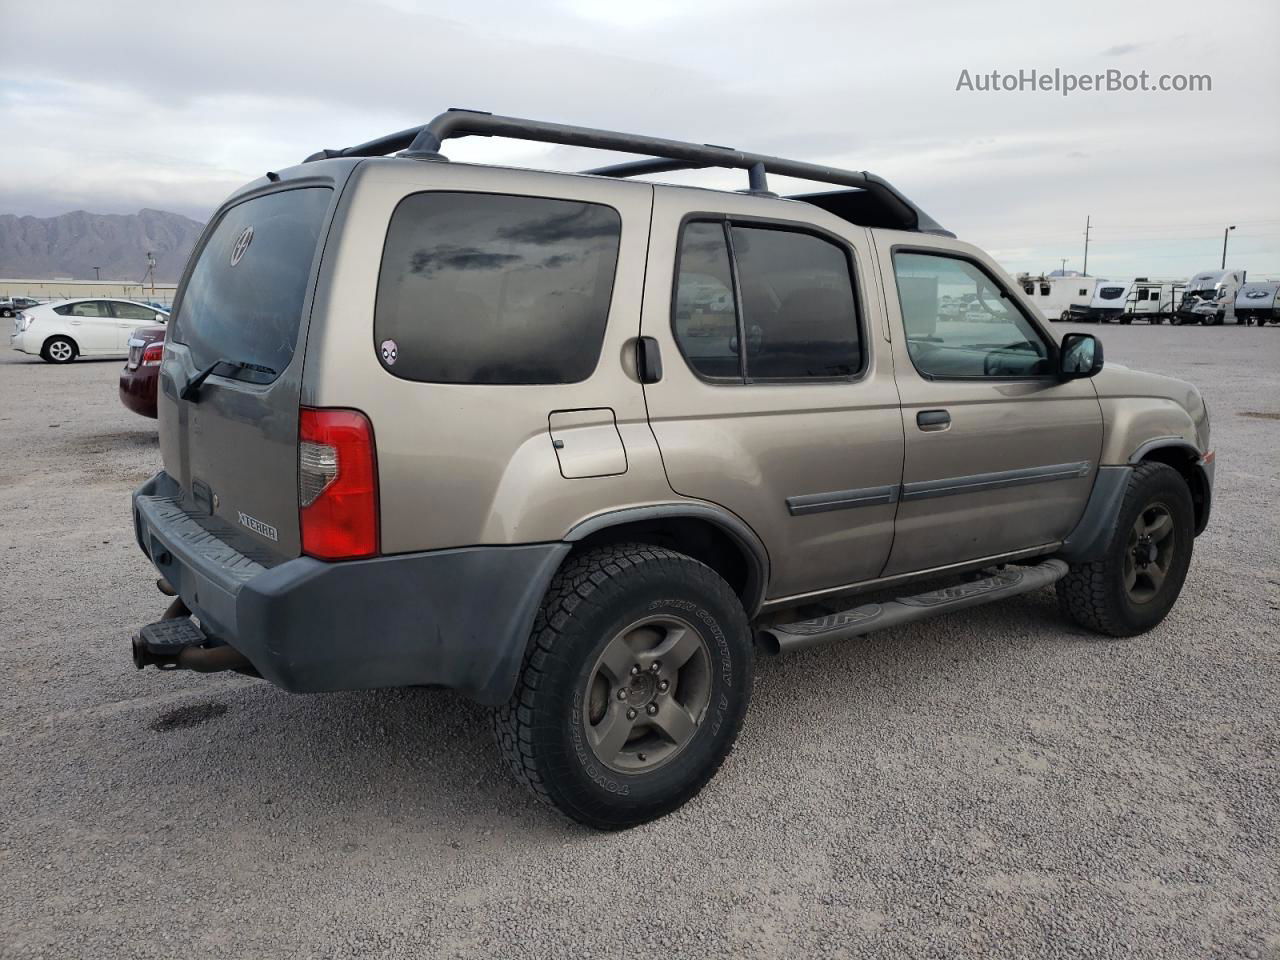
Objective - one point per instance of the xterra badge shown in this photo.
(258, 527)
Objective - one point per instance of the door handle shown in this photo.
(933, 420)
(648, 360)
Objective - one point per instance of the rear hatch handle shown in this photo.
(191, 389)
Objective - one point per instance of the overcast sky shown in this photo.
(113, 106)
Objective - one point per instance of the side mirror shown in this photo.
(1079, 355)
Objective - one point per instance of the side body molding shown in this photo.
(751, 545)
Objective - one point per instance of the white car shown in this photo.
(92, 327)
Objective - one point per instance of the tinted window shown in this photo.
(481, 288)
(1110, 293)
(244, 299)
(797, 306)
(705, 322)
(132, 311)
(990, 338)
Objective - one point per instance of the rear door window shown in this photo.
(244, 299)
(705, 321)
(497, 289)
(798, 309)
(786, 294)
(87, 308)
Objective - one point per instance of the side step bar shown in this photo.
(1008, 581)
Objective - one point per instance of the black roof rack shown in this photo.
(870, 201)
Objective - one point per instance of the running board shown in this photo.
(1008, 581)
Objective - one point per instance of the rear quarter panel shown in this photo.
(464, 464)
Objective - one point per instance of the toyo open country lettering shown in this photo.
(581, 447)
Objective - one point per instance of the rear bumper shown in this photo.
(138, 390)
(454, 618)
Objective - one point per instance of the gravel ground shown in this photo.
(993, 783)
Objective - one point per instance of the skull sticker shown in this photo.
(389, 351)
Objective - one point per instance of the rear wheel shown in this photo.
(633, 689)
(59, 350)
(1136, 582)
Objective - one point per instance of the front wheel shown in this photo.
(633, 689)
(1138, 579)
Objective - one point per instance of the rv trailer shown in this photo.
(1108, 303)
(1258, 302)
(1055, 294)
(1154, 301)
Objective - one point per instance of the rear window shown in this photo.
(489, 288)
(243, 302)
(1111, 293)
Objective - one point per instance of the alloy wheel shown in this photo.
(1149, 553)
(647, 694)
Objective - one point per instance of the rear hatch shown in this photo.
(232, 446)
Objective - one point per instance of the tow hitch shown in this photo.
(177, 643)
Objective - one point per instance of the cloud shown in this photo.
(132, 110)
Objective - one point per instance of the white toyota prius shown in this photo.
(98, 327)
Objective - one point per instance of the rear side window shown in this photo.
(243, 302)
(793, 307)
(497, 289)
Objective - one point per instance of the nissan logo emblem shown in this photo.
(242, 244)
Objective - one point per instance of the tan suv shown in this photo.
(580, 446)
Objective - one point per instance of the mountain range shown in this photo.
(73, 244)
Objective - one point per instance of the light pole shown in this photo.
(1064, 267)
(1087, 221)
(1225, 233)
(96, 273)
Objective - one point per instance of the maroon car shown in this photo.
(138, 378)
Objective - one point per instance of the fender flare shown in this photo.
(735, 527)
(1159, 443)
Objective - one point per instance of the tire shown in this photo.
(640, 600)
(6, 312)
(1098, 596)
(59, 350)
(1066, 316)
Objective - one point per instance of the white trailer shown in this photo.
(1258, 302)
(1107, 304)
(1154, 301)
(1210, 298)
(1056, 295)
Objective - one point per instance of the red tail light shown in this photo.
(153, 354)
(337, 484)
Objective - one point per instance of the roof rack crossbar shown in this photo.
(664, 155)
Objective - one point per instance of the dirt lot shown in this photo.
(994, 783)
